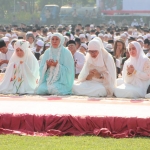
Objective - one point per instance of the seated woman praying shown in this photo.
(136, 74)
(22, 72)
(56, 69)
(97, 78)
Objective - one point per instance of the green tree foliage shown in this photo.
(8, 8)
(41, 3)
(5, 6)
(8, 5)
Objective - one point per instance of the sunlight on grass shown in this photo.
(11, 142)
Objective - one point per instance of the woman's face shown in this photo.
(119, 46)
(119, 49)
(30, 40)
(19, 52)
(132, 50)
(93, 53)
(55, 41)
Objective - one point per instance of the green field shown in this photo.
(11, 142)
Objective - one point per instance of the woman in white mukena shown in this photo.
(97, 78)
(136, 74)
(22, 72)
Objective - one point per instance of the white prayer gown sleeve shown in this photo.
(142, 75)
(32, 73)
(84, 73)
(7, 78)
(127, 78)
(145, 75)
(111, 70)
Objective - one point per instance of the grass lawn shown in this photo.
(11, 142)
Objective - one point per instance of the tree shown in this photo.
(41, 3)
(5, 7)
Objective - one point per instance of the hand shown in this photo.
(6, 61)
(54, 63)
(130, 69)
(51, 62)
(3, 62)
(96, 73)
(90, 76)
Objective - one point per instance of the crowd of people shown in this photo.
(99, 61)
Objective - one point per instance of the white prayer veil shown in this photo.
(140, 59)
(138, 63)
(98, 61)
(22, 73)
(24, 46)
(61, 37)
(55, 52)
(105, 61)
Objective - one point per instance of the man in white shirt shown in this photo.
(134, 23)
(79, 58)
(146, 47)
(105, 40)
(38, 49)
(5, 55)
(78, 43)
(74, 15)
(101, 36)
(30, 38)
(7, 42)
(141, 22)
(83, 48)
(82, 38)
(111, 22)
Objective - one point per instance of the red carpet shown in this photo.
(51, 115)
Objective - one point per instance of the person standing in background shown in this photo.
(75, 16)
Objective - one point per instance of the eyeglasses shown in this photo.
(92, 51)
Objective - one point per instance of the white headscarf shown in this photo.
(62, 40)
(139, 60)
(55, 54)
(22, 73)
(104, 61)
(98, 61)
(138, 63)
(23, 45)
